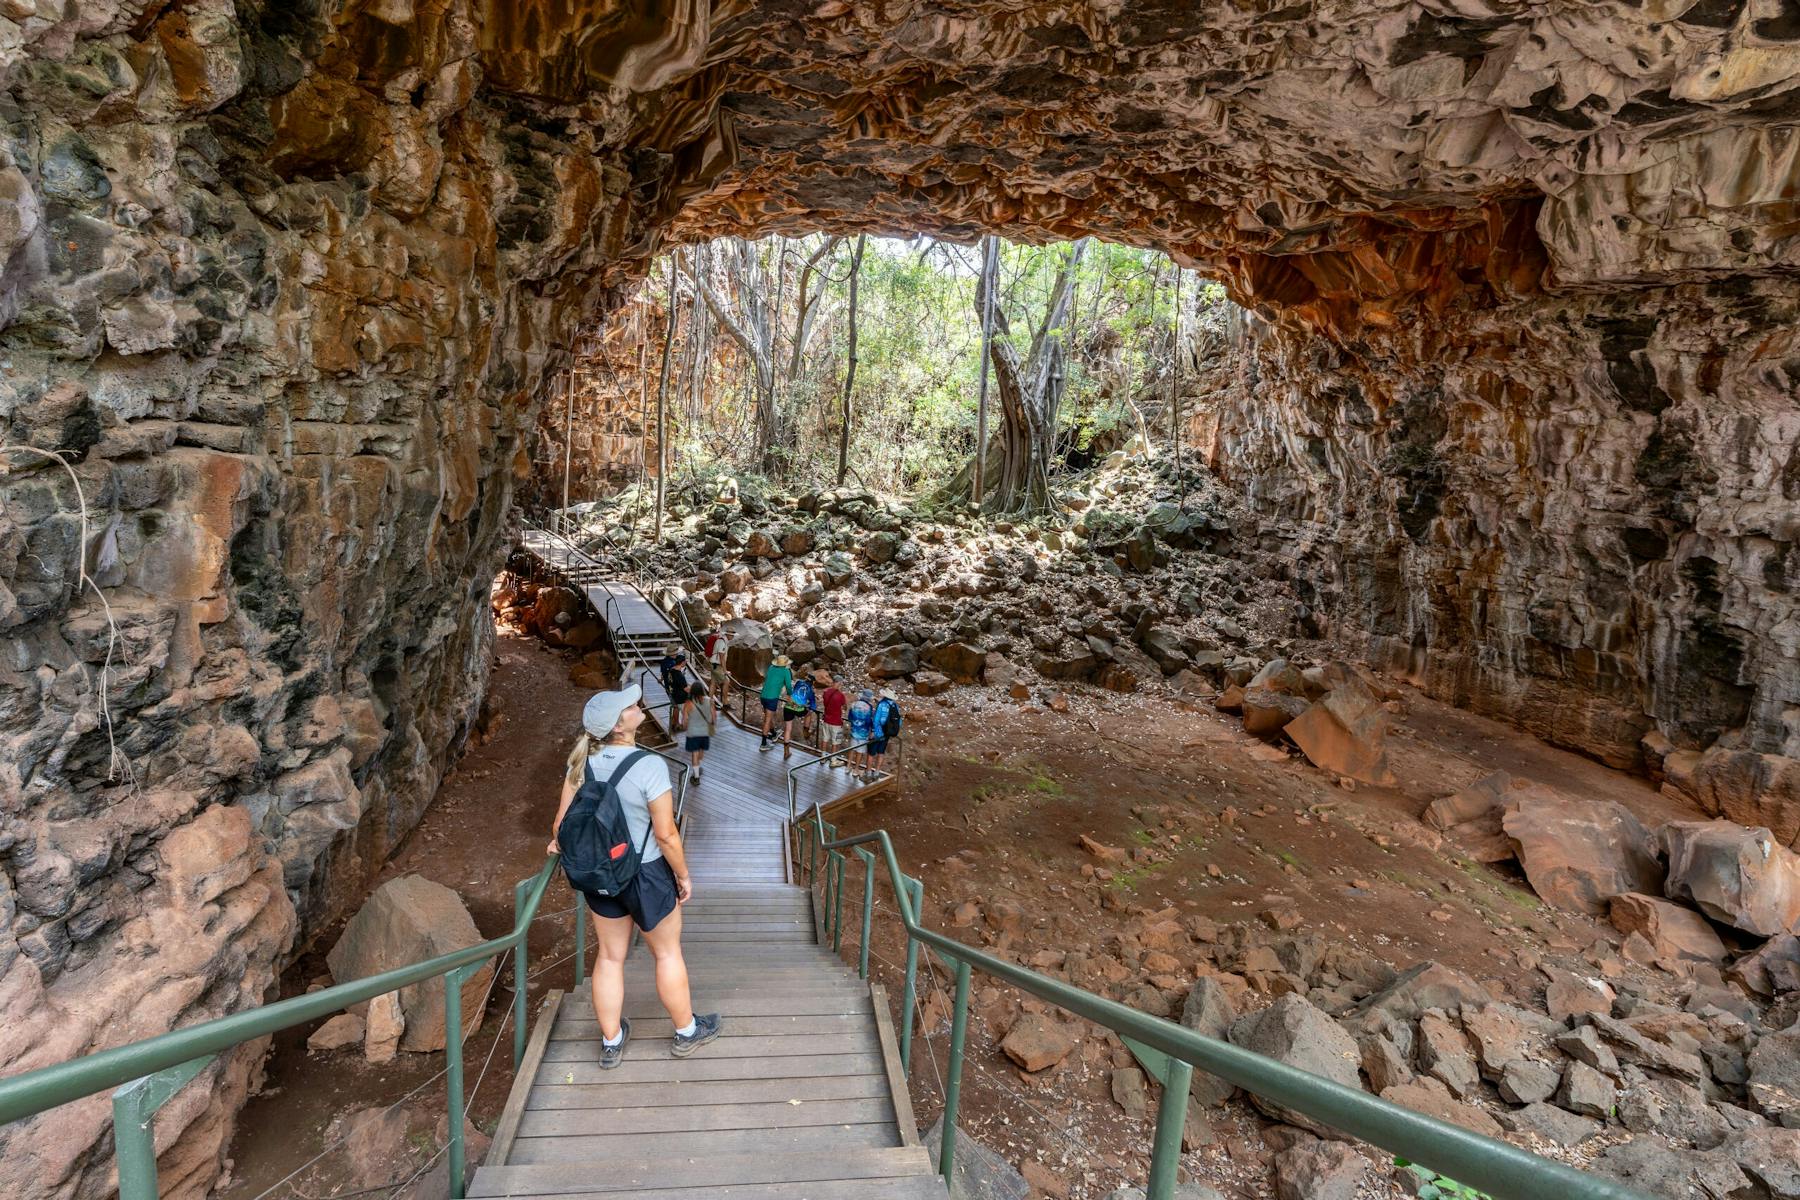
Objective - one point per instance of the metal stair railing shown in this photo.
(148, 1073)
(1171, 1053)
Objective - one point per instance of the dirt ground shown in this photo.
(485, 831)
(996, 795)
(993, 799)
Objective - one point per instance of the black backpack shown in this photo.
(595, 838)
(890, 720)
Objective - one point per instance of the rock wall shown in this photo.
(1574, 511)
(282, 281)
(281, 290)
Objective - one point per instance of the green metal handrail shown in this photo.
(148, 1073)
(1171, 1053)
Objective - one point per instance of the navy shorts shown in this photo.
(701, 744)
(646, 900)
(877, 745)
(771, 703)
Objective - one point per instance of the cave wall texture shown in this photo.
(285, 280)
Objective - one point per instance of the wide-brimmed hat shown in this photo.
(888, 694)
(782, 660)
(601, 715)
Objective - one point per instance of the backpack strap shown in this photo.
(631, 760)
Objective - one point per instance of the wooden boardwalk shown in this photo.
(801, 1098)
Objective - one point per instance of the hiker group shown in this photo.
(829, 718)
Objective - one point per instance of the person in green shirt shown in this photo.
(776, 682)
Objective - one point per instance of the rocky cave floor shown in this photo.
(1087, 807)
(993, 804)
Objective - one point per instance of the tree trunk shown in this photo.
(662, 406)
(850, 370)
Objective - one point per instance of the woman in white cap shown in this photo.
(652, 900)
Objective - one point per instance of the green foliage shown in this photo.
(1433, 1186)
(913, 409)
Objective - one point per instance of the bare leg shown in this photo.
(671, 969)
(614, 936)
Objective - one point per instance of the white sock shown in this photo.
(688, 1029)
(610, 1042)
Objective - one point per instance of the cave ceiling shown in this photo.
(1301, 151)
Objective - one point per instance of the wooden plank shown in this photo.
(508, 1127)
(574, 1122)
(898, 1094)
(730, 1003)
(601, 1147)
(568, 1027)
(682, 1095)
(753, 1046)
(913, 1187)
(701, 1068)
(708, 1171)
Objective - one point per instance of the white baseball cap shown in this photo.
(603, 710)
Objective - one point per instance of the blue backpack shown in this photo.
(595, 838)
(802, 694)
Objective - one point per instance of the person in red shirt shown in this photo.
(832, 702)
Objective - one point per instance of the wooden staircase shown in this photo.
(801, 1098)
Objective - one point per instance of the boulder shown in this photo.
(1345, 732)
(1268, 712)
(1738, 876)
(1743, 786)
(930, 683)
(882, 547)
(1426, 985)
(892, 662)
(838, 568)
(750, 648)
(1770, 1157)
(1485, 795)
(1446, 1055)
(795, 542)
(1773, 968)
(1774, 1086)
(1293, 1032)
(979, 1173)
(1554, 1125)
(1679, 937)
(1431, 1097)
(1579, 854)
(405, 921)
(1037, 1042)
(345, 1029)
(1653, 1167)
(1209, 1011)
(962, 662)
(383, 1027)
(1314, 1170)
(761, 544)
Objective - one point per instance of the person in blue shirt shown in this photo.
(886, 718)
(861, 719)
(798, 707)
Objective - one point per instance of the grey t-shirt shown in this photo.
(701, 720)
(647, 780)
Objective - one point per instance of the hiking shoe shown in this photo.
(763, 745)
(612, 1056)
(706, 1028)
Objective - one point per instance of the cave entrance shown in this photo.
(833, 360)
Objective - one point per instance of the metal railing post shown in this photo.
(910, 997)
(1171, 1117)
(453, 1070)
(837, 901)
(521, 891)
(959, 1031)
(134, 1125)
(868, 913)
(580, 940)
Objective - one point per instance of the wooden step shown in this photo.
(700, 1068)
(659, 1176)
(678, 1097)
